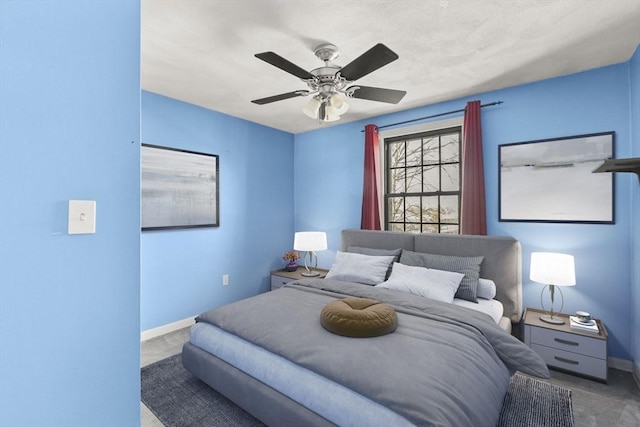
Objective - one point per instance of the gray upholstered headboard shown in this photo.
(502, 257)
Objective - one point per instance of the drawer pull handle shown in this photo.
(562, 359)
(566, 342)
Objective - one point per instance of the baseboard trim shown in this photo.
(621, 364)
(165, 329)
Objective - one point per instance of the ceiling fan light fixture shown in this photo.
(329, 85)
(338, 104)
(327, 113)
(329, 116)
(312, 107)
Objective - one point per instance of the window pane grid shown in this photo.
(422, 194)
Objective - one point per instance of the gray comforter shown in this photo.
(443, 366)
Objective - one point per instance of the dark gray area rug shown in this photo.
(534, 403)
(179, 399)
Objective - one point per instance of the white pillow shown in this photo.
(486, 289)
(426, 282)
(352, 267)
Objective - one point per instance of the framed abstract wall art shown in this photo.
(551, 180)
(180, 188)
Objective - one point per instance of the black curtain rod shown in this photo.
(491, 104)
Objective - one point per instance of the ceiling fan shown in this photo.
(327, 83)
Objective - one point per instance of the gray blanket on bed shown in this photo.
(443, 366)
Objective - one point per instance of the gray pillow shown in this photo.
(469, 266)
(378, 252)
(352, 267)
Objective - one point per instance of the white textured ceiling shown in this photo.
(202, 51)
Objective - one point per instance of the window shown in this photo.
(422, 182)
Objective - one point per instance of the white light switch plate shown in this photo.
(82, 217)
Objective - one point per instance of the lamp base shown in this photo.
(551, 319)
(310, 273)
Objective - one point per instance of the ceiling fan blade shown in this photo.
(390, 96)
(285, 65)
(376, 57)
(280, 97)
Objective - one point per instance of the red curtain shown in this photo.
(371, 192)
(473, 216)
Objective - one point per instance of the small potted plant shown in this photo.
(291, 257)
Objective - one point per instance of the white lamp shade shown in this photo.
(310, 241)
(552, 269)
(338, 105)
(312, 107)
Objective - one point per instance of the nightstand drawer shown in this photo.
(573, 362)
(587, 346)
(278, 281)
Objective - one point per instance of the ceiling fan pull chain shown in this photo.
(323, 111)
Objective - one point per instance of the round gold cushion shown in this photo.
(358, 317)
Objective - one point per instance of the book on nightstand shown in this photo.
(578, 325)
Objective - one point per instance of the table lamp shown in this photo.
(310, 241)
(552, 269)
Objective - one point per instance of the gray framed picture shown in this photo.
(551, 180)
(180, 188)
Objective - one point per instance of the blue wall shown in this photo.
(634, 115)
(182, 269)
(69, 129)
(594, 101)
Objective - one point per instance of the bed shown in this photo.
(444, 364)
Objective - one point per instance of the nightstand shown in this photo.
(281, 277)
(567, 349)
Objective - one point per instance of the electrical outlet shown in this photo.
(225, 279)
